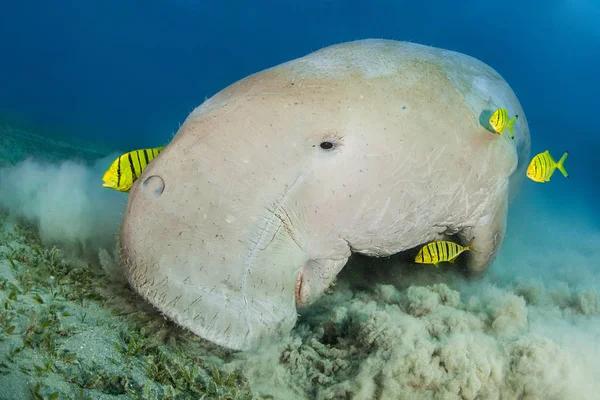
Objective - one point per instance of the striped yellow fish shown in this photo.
(127, 168)
(499, 121)
(542, 166)
(441, 251)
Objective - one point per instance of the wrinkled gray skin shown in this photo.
(244, 218)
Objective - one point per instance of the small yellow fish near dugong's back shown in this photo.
(542, 166)
(499, 121)
(128, 167)
(441, 251)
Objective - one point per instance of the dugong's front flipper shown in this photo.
(488, 236)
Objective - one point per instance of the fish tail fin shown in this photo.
(560, 164)
(468, 246)
(510, 124)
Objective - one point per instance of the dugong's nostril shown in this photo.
(153, 186)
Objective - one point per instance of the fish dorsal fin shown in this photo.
(550, 156)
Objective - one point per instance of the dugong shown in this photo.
(371, 146)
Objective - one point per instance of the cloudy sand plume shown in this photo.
(66, 203)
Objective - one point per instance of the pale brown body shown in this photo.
(243, 217)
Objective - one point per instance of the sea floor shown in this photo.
(70, 331)
(70, 327)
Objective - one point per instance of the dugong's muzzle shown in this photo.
(206, 254)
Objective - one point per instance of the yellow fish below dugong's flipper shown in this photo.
(542, 166)
(127, 168)
(499, 121)
(441, 251)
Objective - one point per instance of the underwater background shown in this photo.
(83, 82)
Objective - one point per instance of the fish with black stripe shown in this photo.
(499, 122)
(128, 167)
(441, 251)
(542, 167)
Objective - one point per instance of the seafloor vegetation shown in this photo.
(68, 331)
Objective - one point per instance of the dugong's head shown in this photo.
(258, 201)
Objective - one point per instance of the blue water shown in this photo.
(126, 73)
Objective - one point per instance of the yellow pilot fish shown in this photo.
(127, 168)
(542, 166)
(499, 121)
(441, 251)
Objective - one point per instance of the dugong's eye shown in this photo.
(326, 145)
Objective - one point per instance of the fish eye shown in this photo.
(326, 145)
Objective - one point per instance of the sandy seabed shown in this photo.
(71, 328)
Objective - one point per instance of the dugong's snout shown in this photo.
(207, 256)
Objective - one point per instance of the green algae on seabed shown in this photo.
(69, 332)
